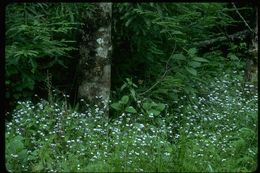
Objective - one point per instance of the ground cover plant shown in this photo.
(217, 132)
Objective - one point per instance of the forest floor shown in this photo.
(213, 132)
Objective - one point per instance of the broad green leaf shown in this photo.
(179, 56)
(200, 59)
(147, 106)
(125, 99)
(154, 104)
(130, 109)
(16, 144)
(22, 154)
(194, 64)
(191, 70)
(160, 107)
(116, 106)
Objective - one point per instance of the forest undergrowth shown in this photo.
(183, 88)
(212, 132)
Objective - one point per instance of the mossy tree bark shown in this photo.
(95, 50)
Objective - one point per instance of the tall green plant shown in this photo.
(39, 36)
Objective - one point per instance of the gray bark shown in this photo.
(95, 59)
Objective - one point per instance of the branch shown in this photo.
(162, 77)
(222, 38)
(154, 85)
(242, 18)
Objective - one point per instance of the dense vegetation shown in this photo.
(180, 99)
(41, 38)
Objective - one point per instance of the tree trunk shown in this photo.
(95, 50)
(251, 72)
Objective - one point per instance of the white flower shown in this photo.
(167, 154)
(141, 126)
(14, 155)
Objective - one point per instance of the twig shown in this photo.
(242, 18)
(162, 77)
(221, 39)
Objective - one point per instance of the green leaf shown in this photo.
(147, 106)
(133, 93)
(154, 112)
(200, 59)
(16, 144)
(123, 87)
(34, 65)
(161, 91)
(179, 56)
(233, 57)
(117, 106)
(130, 109)
(160, 107)
(38, 167)
(22, 154)
(129, 21)
(169, 149)
(191, 70)
(125, 99)
(189, 90)
(192, 51)
(129, 81)
(176, 32)
(194, 64)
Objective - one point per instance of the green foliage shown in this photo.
(149, 37)
(152, 108)
(217, 132)
(130, 87)
(124, 104)
(209, 123)
(121, 105)
(16, 152)
(39, 37)
(147, 107)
